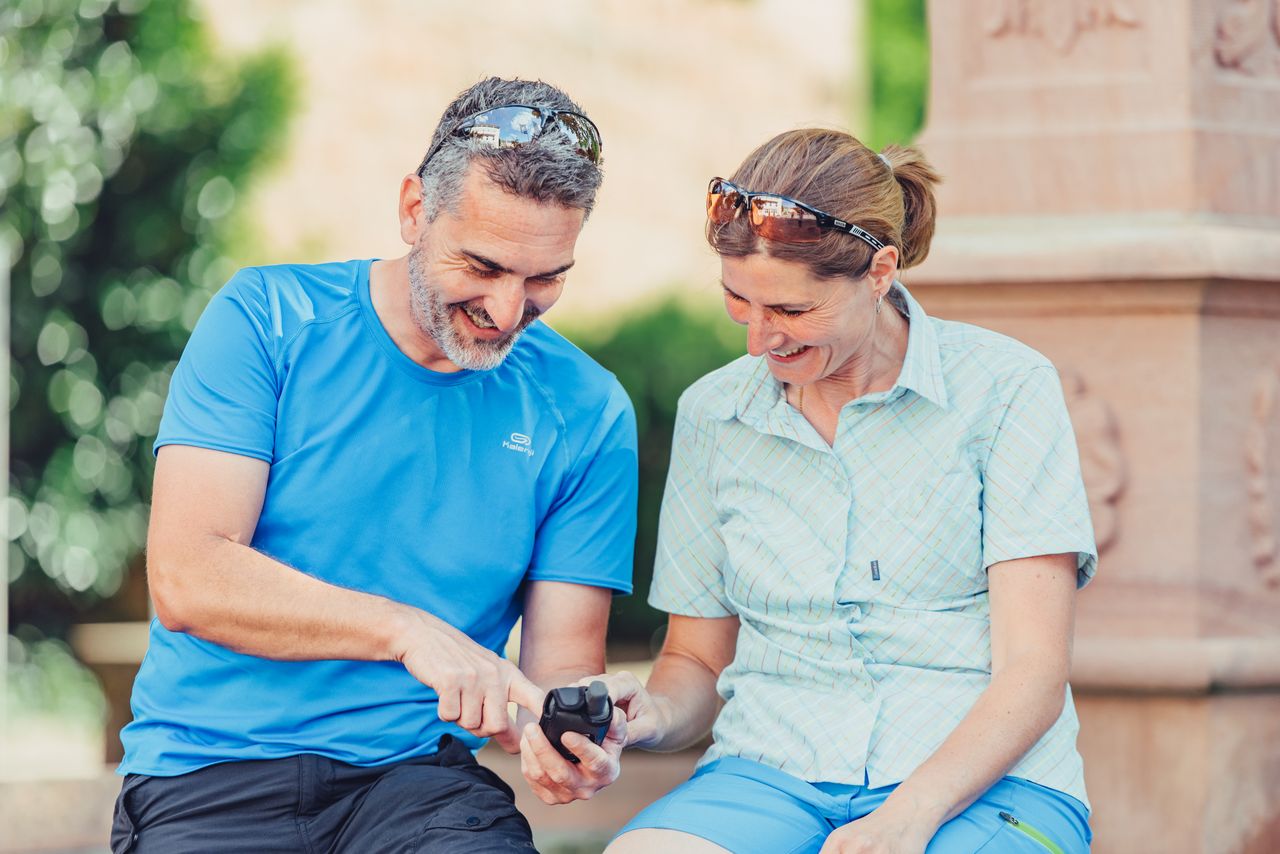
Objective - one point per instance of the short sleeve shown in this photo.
(688, 573)
(1033, 497)
(224, 392)
(588, 535)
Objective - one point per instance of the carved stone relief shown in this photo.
(1101, 457)
(1257, 451)
(1247, 37)
(1059, 22)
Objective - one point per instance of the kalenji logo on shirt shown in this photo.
(519, 442)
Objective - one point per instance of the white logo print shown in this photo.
(519, 442)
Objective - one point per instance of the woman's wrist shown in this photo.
(913, 809)
(662, 711)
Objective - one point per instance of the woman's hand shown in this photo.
(879, 833)
(645, 724)
(637, 722)
(556, 780)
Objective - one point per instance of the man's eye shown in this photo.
(791, 312)
(735, 297)
(484, 273)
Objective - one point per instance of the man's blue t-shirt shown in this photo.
(445, 491)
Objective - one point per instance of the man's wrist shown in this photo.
(399, 630)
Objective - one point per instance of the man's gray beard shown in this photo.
(434, 317)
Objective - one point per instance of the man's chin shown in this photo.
(480, 354)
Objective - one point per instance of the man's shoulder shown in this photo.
(573, 381)
(299, 291)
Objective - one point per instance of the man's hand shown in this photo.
(474, 685)
(556, 780)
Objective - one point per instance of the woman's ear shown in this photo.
(883, 270)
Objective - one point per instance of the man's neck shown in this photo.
(389, 293)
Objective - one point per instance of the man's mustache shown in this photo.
(531, 312)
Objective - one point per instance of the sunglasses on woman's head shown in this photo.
(775, 217)
(513, 125)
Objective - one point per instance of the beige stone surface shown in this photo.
(1093, 106)
(1171, 782)
(1113, 199)
(681, 91)
(1176, 366)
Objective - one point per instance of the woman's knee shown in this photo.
(647, 840)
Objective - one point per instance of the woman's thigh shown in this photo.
(1019, 817)
(746, 809)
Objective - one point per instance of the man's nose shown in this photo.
(506, 308)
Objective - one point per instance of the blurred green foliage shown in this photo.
(656, 352)
(44, 679)
(124, 144)
(898, 52)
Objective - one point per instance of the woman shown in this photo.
(872, 533)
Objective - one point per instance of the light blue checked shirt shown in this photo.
(858, 572)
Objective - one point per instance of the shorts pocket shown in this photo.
(1031, 832)
(124, 821)
(477, 808)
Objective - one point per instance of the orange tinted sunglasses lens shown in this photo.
(777, 219)
(722, 202)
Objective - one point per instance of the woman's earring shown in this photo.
(879, 301)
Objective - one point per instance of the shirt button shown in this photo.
(472, 821)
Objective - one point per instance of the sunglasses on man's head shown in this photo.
(775, 217)
(513, 125)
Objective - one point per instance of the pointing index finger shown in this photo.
(524, 693)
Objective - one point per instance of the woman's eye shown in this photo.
(735, 297)
(791, 312)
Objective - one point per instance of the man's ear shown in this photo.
(413, 215)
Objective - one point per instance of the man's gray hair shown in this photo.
(547, 169)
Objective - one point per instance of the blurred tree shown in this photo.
(656, 353)
(123, 146)
(898, 52)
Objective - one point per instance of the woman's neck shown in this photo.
(875, 369)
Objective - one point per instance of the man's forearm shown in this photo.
(228, 593)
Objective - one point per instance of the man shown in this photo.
(365, 472)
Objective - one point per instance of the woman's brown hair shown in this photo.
(835, 173)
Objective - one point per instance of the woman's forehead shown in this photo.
(762, 278)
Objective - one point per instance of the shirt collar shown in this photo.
(922, 367)
(760, 403)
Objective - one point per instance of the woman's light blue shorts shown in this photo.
(747, 807)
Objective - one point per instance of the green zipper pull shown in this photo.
(1032, 832)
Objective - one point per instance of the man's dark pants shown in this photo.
(443, 802)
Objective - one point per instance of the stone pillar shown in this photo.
(1112, 198)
